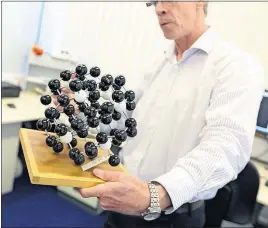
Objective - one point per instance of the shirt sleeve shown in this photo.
(225, 142)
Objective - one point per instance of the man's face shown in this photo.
(176, 19)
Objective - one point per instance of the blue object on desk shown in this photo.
(262, 121)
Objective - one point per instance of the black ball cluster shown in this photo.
(87, 95)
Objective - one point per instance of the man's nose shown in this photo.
(160, 9)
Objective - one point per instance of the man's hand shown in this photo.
(123, 193)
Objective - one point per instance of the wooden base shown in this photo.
(46, 167)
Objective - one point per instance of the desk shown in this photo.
(28, 108)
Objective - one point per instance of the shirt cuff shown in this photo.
(179, 185)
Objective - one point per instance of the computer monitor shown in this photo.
(262, 121)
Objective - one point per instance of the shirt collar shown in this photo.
(204, 43)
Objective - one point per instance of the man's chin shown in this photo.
(169, 36)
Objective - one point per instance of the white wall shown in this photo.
(116, 36)
(244, 24)
(53, 24)
(19, 29)
(119, 37)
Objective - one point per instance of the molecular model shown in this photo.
(87, 93)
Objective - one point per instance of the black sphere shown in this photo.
(51, 140)
(56, 92)
(130, 105)
(73, 142)
(130, 122)
(116, 87)
(101, 112)
(84, 69)
(93, 122)
(77, 124)
(81, 78)
(91, 85)
(69, 110)
(116, 142)
(102, 137)
(76, 85)
(81, 69)
(94, 96)
(90, 112)
(107, 107)
(73, 153)
(54, 84)
(43, 124)
(114, 160)
(82, 133)
(61, 129)
(132, 131)
(107, 80)
(91, 150)
(120, 135)
(85, 85)
(80, 159)
(113, 131)
(58, 147)
(95, 72)
(45, 99)
(106, 118)
(63, 100)
(130, 95)
(110, 77)
(118, 96)
(49, 125)
(71, 118)
(116, 116)
(96, 105)
(66, 75)
(82, 107)
(120, 80)
(103, 87)
(57, 115)
(51, 113)
(89, 144)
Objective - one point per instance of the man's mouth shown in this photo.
(162, 24)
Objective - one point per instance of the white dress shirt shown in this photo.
(196, 119)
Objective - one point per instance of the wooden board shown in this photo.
(46, 167)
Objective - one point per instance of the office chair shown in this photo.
(236, 201)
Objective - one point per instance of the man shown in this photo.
(196, 120)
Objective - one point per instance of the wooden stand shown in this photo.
(46, 167)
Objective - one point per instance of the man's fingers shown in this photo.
(96, 191)
(107, 175)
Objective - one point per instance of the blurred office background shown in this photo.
(120, 38)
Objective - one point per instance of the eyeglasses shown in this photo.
(151, 3)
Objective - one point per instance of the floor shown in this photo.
(42, 206)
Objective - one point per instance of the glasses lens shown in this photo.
(151, 3)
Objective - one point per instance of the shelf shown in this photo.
(47, 61)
